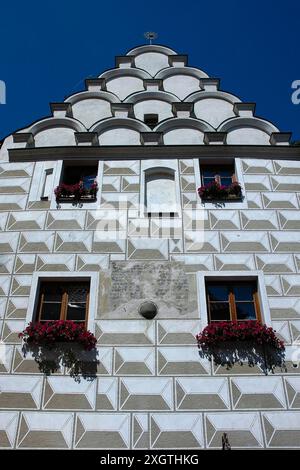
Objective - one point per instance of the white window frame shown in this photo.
(226, 204)
(38, 277)
(258, 276)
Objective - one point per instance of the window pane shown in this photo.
(245, 311)
(50, 311)
(208, 179)
(76, 311)
(217, 292)
(219, 311)
(244, 292)
(226, 181)
(77, 293)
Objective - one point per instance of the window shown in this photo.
(151, 120)
(73, 174)
(47, 184)
(232, 300)
(160, 194)
(68, 300)
(222, 174)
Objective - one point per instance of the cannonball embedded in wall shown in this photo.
(148, 310)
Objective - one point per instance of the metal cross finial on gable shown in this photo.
(150, 35)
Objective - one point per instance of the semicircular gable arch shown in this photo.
(254, 122)
(114, 122)
(52, 122)
(189, 123)
(202, 95)
(152, 95)
(151, 48)
(85, 95)
(130, 72)
(170, 71)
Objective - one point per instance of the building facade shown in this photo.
(147, 263)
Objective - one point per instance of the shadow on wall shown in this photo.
(79, 364)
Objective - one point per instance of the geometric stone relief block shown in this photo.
(107, 394)
(282, 429)
(177, 332)
(64, 393)
(16, 170)
(107, 220)
(73, 241)
(181, 361)
(138, 227)
(26, 220)
(280, 200)
(254, 200)
(282, 330)
(259, 220)
(17, 307)
(243, 241)
(45, 430)
(102, 431)
(121, 167)
(20, 391)
(243, 430)
(8, 428)
(257, 183)
(2, 308)
(146, 393)
(3, 220)
(6, 264)
(289, 220)
(257, 393)
(194, 263)
(109, 242)
(25, 365)
(25, 264)
(232, 262)
(189, 200)
(285, 183)
(209, 393)
(162, 228)
(132, 361)
(255, 167)
(297, 261)
(195, 219)
(237, 370)
(92, 262)
(21, 285)
(117, 201)
(284, 307)
(55, 262)
(6, 354)
(14, 185)
(11, 330)
(224, 220)
(292, 386)
(295, 330)
(140, 431)
(36, 242)
(39, 205)
(130, 183)
(176, 431)
(105, 361)
(8, 242)
(207, 242)
(273, 285)
(188, 183)
(147, 248)
(12, 202)
(4, 285)
(117, 257)
(65, 220)
(175, 245)
(291, 285)
(125, 332)
(285, 241)
(111, 183)
(186, 167)
(285, 167)
(275, 263)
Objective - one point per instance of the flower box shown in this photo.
(216, 192)
(75, 193)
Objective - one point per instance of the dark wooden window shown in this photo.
(73, 174)
(222, 174)
(232, 300)
(63, 301)
(151, 120)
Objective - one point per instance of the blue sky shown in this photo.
(49, 48)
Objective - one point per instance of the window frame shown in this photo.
(63, 302)
(258, 276)
(64, 276)
(232, 300)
